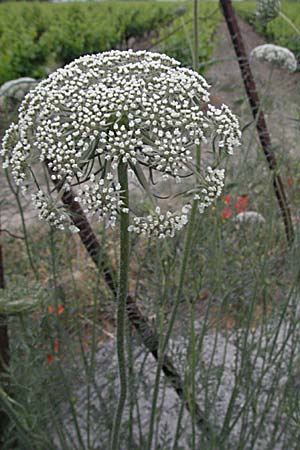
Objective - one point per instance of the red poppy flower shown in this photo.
(227, 199)
(56, 346)
(49, 359)
(289, 181)
(241, 204)
(60, 309)
(50, 309)
(226, 212)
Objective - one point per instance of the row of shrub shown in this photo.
(37, 37)
(34, 36)
(279, 30)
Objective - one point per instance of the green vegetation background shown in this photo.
(36, 38)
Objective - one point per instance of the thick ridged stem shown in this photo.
(122, 299)
(258, 115)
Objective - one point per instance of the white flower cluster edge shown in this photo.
(280, 57)
(141, 108)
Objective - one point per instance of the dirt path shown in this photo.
(280, 95)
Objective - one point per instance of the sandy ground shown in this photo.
(223, 365)
(279, 90)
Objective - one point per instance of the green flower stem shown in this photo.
(196, 37)
(288, 20)
(184, 265)
(160, 362)
(122, 298)
(26, 238)
(186, 253)
(191, 375)
(4, 348)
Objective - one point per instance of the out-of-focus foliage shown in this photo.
(37, 36)
(179, 43)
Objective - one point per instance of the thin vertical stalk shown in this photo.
(196, 37)
(191, 397)
(188, 237)
(178, 427)
(146, 332)
(198, 416)
(131, 393)
(258, 115)
(288, 20)
(122, 299)
(2, 283)
(186, 254)
(89, 239)
(158, 373)
(192, 384)
(21, 212)
(4, 345)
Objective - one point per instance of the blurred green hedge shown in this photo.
(36, 36)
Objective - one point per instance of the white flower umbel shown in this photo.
(49, 211)
(101, 198)
(268, 10)
(160, 225)
(278, 56)
(250, 217)
(211, 189)
(139, 108)
(107, 115)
